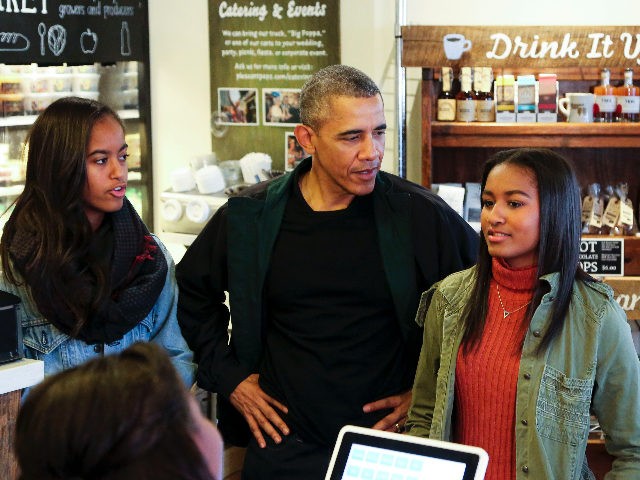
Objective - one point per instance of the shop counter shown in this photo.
(14, 377)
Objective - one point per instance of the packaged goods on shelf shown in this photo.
(446, 104)
(11, 104)
(592, 210)
(505, 98)
(547, 98)
(526, 99)
(609, 211)
(452, 194)
(466, 98)
(606, 102)
(485, 104)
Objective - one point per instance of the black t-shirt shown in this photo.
(333, 340)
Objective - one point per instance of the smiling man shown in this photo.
(324, 267)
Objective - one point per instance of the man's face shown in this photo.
(348, 148)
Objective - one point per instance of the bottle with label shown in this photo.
(465, 99)
(446, 99)
(485, 105)
(628, 97)
(605, 106)
(476, 75)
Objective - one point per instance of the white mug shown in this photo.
(577, 107)
(455, 44)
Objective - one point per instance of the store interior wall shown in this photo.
(179, 57)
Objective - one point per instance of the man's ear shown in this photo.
(303, 134)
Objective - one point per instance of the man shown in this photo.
(324, 267)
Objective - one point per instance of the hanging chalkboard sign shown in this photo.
(75, 32)
(602, 256)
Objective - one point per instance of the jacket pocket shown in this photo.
(562, 407)
(143, 331)
(41, 337)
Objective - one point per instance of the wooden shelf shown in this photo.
(631, 256)
(549, 135)
(455, 151)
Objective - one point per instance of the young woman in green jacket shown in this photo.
(522, 347)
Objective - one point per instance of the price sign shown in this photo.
(602, 256)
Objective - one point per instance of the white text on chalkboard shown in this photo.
(11, 6)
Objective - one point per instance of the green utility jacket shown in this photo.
(591, 365)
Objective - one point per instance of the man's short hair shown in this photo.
(330, 82)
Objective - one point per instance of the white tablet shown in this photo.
(364, 453)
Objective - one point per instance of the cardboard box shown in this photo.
(627, 294)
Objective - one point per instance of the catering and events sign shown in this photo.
(261, 53)
(521, 46)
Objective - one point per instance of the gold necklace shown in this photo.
(506, 313)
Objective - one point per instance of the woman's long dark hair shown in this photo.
(123, 417)
(558, 247)
(50, 210)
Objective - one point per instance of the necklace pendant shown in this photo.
(505, 314)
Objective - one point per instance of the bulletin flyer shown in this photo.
(261, 54)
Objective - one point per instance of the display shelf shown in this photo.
(129, 114)
(26, 120)
(632, 256)
(11, 190)
(17, 121)
(549, 135)
(602, 152)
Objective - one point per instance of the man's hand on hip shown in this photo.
(258, 410)
(394, 422)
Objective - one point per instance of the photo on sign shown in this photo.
(237, 106)
(281, 107)
(294, 153)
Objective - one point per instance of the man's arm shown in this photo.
(204, 319)
(202, 314)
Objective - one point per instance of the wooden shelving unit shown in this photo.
(605, 153)
(455, 152)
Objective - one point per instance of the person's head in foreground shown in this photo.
(125, 416)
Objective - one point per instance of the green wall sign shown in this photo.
(261, 55)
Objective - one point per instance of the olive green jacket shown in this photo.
(591, 365)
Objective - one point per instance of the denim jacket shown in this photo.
(43, 341)
(591, 366)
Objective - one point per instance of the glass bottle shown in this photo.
(605, 106)
(485, 103)
(628, 97)
(446, 104)
(465, 99)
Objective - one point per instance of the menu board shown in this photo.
(75, 32)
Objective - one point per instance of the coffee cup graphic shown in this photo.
(455, 44)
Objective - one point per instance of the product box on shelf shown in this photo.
(547, 98)
(526, 99)
(505, 98)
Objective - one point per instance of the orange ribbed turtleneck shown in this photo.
(486, 378)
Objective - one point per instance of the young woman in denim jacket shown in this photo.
(91, 277)
(520, 349)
